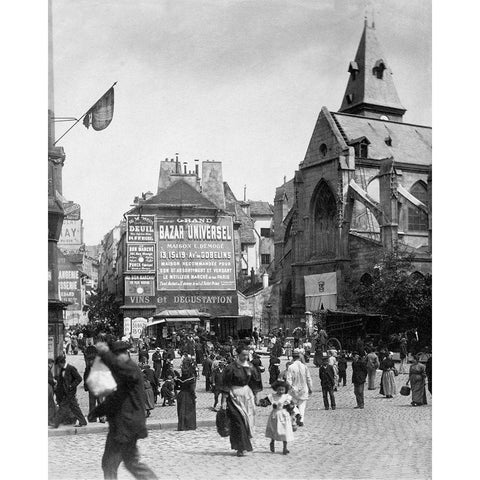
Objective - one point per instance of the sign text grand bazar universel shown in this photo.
(195, 254)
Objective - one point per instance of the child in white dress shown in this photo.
(279, 424)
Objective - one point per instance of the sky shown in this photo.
(237, 81)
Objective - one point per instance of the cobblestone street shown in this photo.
(388, 439)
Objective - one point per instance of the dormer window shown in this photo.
(379, 68)
(323, 149)
(360, 146)
(353, 70)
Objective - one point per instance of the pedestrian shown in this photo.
(167, 369)
(93, 401)
(359, 375)
(207, 371)
(151, 377)
(332, 360)
(67, 382)
(239, 402)
(416, 378)
(52, 407)
(279, 424)
(149, 395)
(143, 355)
(274, 369)
(403, 355)
(168, 391)
(300, 380)
(217, 382)
(342, 369)
(307, 346)
(327, 381)
(125, 411)
(255, 336)
(256, 384)
(288, 349)
(372, 365)
(387, 384)
(157, 363)
(186, 398)
(428, 371)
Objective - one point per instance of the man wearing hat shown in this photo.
(298, 376)
(157, 363)
(125, 411)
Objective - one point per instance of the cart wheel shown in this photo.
(333, 343)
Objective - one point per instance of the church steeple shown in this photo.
(370, 89)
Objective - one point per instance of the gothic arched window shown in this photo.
(324, 218)
(418, 219)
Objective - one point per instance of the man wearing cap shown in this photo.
(298, 376)
(125, 411)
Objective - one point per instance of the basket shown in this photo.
(405, 391)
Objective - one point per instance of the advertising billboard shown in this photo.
(195, 254)
(71, 233)
(69, 284)
(141, 257)
(140, 229)
(139, 289)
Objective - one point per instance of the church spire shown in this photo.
(370, 89)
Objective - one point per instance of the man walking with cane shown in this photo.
(125, 411)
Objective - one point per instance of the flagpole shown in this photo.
(58, 139)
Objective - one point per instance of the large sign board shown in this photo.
(71, 233)
(141, 257)
(195, 254)
(138, 324)
(127, 326)
(69, 285)
(71, 211)
(139, 289)
(140, 228)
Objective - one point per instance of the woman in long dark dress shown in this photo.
(416, 378)
(387, 383)
(256, 384)
(240, 401)
(186, 398)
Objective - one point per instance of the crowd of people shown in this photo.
(233, 374)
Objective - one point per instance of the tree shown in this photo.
(395, 290)
(104, 313)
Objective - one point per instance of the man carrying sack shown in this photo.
(125, 411)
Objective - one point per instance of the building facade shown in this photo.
(364, 186)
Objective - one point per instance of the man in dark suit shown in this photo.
(207, 371)
(125, 411)
(67, 382)
(327, 380)
(359, 376)
(157, 362)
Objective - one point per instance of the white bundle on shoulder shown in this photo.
(100, 381)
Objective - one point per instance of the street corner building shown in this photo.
(182, 256)
(363, 187)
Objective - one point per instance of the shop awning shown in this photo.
(180, 314)
(174, 320)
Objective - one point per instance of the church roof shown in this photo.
(409, 143)
(364, 87)
(180, 193)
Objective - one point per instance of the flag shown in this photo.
(101, 114)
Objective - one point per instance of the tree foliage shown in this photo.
(104, 313)
(395, 290)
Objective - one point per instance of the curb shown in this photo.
(103, 428)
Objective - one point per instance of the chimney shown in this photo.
(196, 167)
(212, 183)
(177, 169)
(184, 168)
(244, 193)
(265, 280)
(167, 169)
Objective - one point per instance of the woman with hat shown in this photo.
(186, 398)
(416, 379)
(387, 384)
(239, 402)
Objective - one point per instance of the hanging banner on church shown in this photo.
(321, 292)
(140, 229)
(195, 253)
(141, 257)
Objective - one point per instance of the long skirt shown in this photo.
(186, 410)
(279, 426)
(241, 412)
(372, 373)
(419, 394)
(149, 398)
(388, 386)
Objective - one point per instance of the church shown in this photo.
(363, 187)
